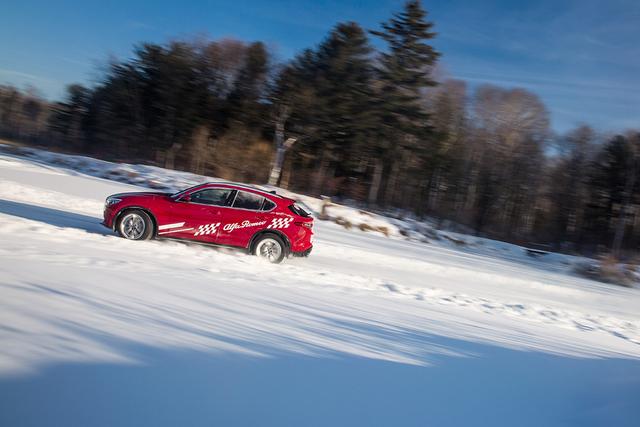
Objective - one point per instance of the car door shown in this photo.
(197, 215)
(242, 219)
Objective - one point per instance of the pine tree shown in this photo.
(405, 69)
(68, 118)
(344, 93)
(329, 92)
(568, 190)
(243, 103)
(613, 185)
(404, 72)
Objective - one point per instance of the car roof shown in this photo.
(244, 187)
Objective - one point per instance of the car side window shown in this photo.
(211, 196)
(268, 205)
(246, 200)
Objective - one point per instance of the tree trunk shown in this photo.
(392, 181)
(276, 169)
(281, 146)
(374, 190)
(285, 177)
(318, 182)
(200, 142)
(618, 238)
(170, 158)
(433, 190)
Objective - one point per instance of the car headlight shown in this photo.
(112, 201)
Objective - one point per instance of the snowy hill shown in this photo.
(352, 219)
(369, 330)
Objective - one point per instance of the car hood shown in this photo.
(141, 194)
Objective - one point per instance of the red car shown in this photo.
(264, 223)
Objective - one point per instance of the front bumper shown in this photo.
(108, 217)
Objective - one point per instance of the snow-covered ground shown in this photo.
(369, 330)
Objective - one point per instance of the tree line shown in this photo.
(373, 126)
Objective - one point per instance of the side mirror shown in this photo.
(186, 198)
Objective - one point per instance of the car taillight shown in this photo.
(304, 224)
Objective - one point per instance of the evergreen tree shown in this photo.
(329, 91)
(568, 190)
(343, 91)
(613, 185)
(404, 72)
(405, 69)
(69, 117)
(244, 102)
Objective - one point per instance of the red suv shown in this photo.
(264, 223)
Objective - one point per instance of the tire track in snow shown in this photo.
(625, 329)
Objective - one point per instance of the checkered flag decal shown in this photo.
(207, 229)
(280, 223)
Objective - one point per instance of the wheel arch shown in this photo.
(280, 234)
(136, 208)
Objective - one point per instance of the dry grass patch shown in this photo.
(343, 222)
(608, 269)
(457, 242)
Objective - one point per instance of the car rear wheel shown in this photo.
(135, 225)
(270, 248)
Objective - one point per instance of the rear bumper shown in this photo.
(304, 253)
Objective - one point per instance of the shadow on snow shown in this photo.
(496, 386)
(53, 217)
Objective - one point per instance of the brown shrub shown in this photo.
(458, 242)
(343, 222)
(363, 226)
(384, 230)
(608, 270)
(241, 156)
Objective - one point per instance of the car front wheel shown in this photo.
(135, 225)
(271, 248)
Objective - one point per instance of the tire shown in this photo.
(271, 248)
(135, 224)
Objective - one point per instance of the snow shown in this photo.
(369, 330)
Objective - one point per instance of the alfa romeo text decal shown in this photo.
(246, 223)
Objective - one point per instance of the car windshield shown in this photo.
(181, 192)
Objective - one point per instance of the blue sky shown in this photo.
(581, 57)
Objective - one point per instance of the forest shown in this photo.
(376, 127)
